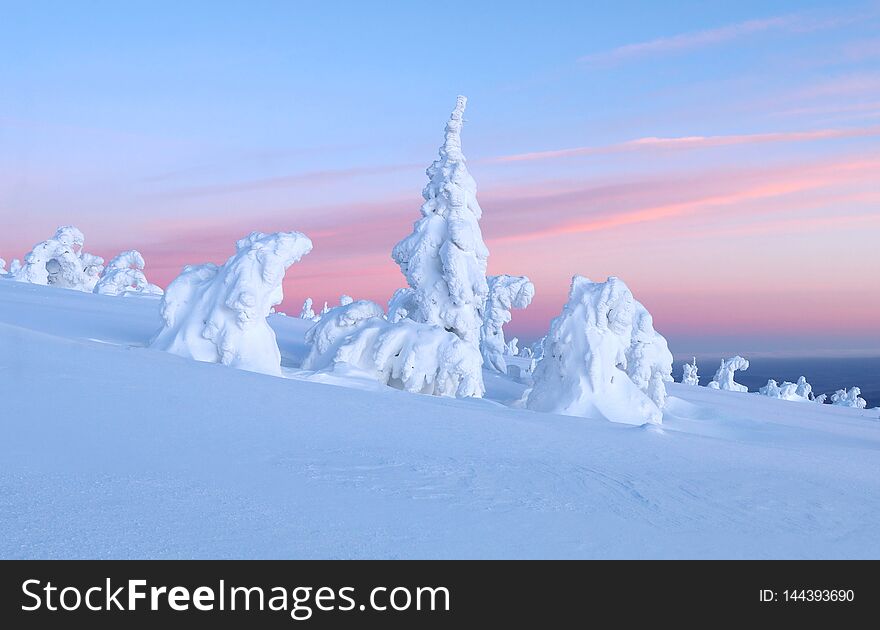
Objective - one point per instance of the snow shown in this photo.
(172, 458)
(218, 314)
(801, 391)
(307, 311)
(600, 337)
(724, 376)
(334, 328)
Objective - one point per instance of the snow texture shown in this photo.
(848, 398)
(724, 376)
(505, 293)
(801, 391)
(689, 375)
(60, 261)
(179, 459)
(218, 314)
(401, 304)
(584, 369)
(648, 359)
(125, 275)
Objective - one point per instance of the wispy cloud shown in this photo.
(712, 37)
(695, 142)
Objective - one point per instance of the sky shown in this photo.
(722, 158)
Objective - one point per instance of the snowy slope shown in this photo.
(111, 449)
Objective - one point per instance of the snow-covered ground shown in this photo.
(112, 449)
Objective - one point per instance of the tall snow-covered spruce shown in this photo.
(218, 314)
(430, 342)
(602, 358)
(444, 259)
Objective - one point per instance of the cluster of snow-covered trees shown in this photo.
(61, 262)
(601, 358)
(801, 391)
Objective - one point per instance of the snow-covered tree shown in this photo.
(125, 275)
(505, 293)
(512, 347)
(690, 375)
(307, 312)
(724, 376)
(849, 398)
(444, 259)
(325, 337)
(60, 261)
(803, 389)
(218, 314)
(3, 271)
(584, 368)
(430, 342)
(345, 300)
(415, 357)
(324, 310)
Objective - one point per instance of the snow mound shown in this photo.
(218, 314)
(584, 368)
(325, 337)
(849, 398)
(124, 275)
(690, 375)
(60, 261)
(724, 376)
(401, 304)
(505, 293)
(648, 359)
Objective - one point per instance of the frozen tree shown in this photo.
(345, 300)
(444, 259)
(771, 389)
(724, 376)
(821, 398)
(849, 398)
(584, 368)
(803, 389)
(14, 267)
(60, 261)
(512, 347)
(648, 359)
(430, 342)
(125, 275)
(3, 271)
(690, 376)
(325, 337)
(307, 312)
(505, 293)
(218, 314)
(324, 310)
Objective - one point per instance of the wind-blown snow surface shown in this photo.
(112, 449)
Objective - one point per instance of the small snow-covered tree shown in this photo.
(512, 348)
(3, 271)
(325, 337)
(444, 259)
(801, 391)
(307, 312)
(60, 261)
(345, 300)
(724, 376)
(125, 275)
(584, 368)
(849, 398)
(218, 314)
(804, 389)
(505, 293)
(690, 375)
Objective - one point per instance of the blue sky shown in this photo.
(173, 127)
